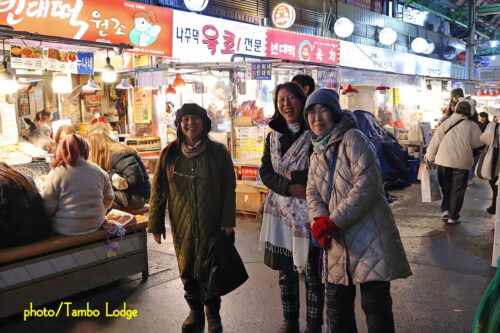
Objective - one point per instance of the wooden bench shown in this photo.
(61, 266)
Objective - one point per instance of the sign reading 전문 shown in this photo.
(147, 28)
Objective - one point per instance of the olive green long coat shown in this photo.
(200, 195)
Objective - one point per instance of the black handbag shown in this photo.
(226, 270)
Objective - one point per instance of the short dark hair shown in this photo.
(458, 92)
(304, 80)
(483, 114)
(464, 108)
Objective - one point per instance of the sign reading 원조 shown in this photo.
(147, 28)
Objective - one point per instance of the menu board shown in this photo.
(27, 57)
(151, 78)
(251, 140)
(143, 106)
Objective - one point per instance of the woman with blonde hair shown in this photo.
(126, 170)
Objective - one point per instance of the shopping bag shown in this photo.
(429, 184)
(487, 162)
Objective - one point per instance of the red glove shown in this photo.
(322, 230)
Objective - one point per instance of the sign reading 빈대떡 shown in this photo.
(147, 28)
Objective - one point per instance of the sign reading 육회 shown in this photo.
(147, 28)
(211, 39)
(294, 46)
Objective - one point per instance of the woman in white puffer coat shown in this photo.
(346, 204)
(451, 149)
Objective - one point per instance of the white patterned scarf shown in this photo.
(285, 228)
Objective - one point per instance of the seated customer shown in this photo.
(77, 193)
(129, 176)
(22, 219)
(62, 132)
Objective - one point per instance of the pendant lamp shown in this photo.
(124, 84)
(91, 86)
(350, 91)
(108, 72)
(382, 90)
(179, 81)
(171, 90)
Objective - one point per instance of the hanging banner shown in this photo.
(375, 58)
(198, 38)
(85, 63)
(294, 46)
(259, 71)
(26, 57)
(147, 28)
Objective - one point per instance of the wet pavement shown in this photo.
(451, 267)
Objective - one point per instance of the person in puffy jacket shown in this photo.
(451, 148)
(351, 218)
(127, 172)
(195, 180)
(22, 218)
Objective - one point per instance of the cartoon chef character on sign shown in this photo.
(145, 32)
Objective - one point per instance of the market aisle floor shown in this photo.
(451, 268)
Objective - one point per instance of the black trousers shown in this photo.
(376, 303)
(194, 295)
(453, 184)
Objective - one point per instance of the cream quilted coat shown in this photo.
(367, 243)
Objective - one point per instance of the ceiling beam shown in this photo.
(486, 10)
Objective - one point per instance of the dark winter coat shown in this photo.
(271, 179)
(201, 198)
(22, 217)
(131, 167)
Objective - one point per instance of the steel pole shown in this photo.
(471, 42)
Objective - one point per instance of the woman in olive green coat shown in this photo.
(196, 179)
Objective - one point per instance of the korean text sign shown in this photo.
(294, 46)
(198, 37)
(261, 70)
(147, 28)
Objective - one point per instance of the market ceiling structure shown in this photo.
(488, 14)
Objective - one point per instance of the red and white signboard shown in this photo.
(283, 16)
(202, 38)
(294, 46)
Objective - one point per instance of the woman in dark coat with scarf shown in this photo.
(285, 230)
(196, 179)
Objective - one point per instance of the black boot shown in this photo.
(213, 317)
(195, 321)
(289, 326)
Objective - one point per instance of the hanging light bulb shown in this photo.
(61, 84)
(171, 90)
(124, 84)
(108, 72)
(350, 91)
(179, 81)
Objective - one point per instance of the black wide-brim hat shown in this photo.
(195, 109)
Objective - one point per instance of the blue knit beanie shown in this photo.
(326, 97)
